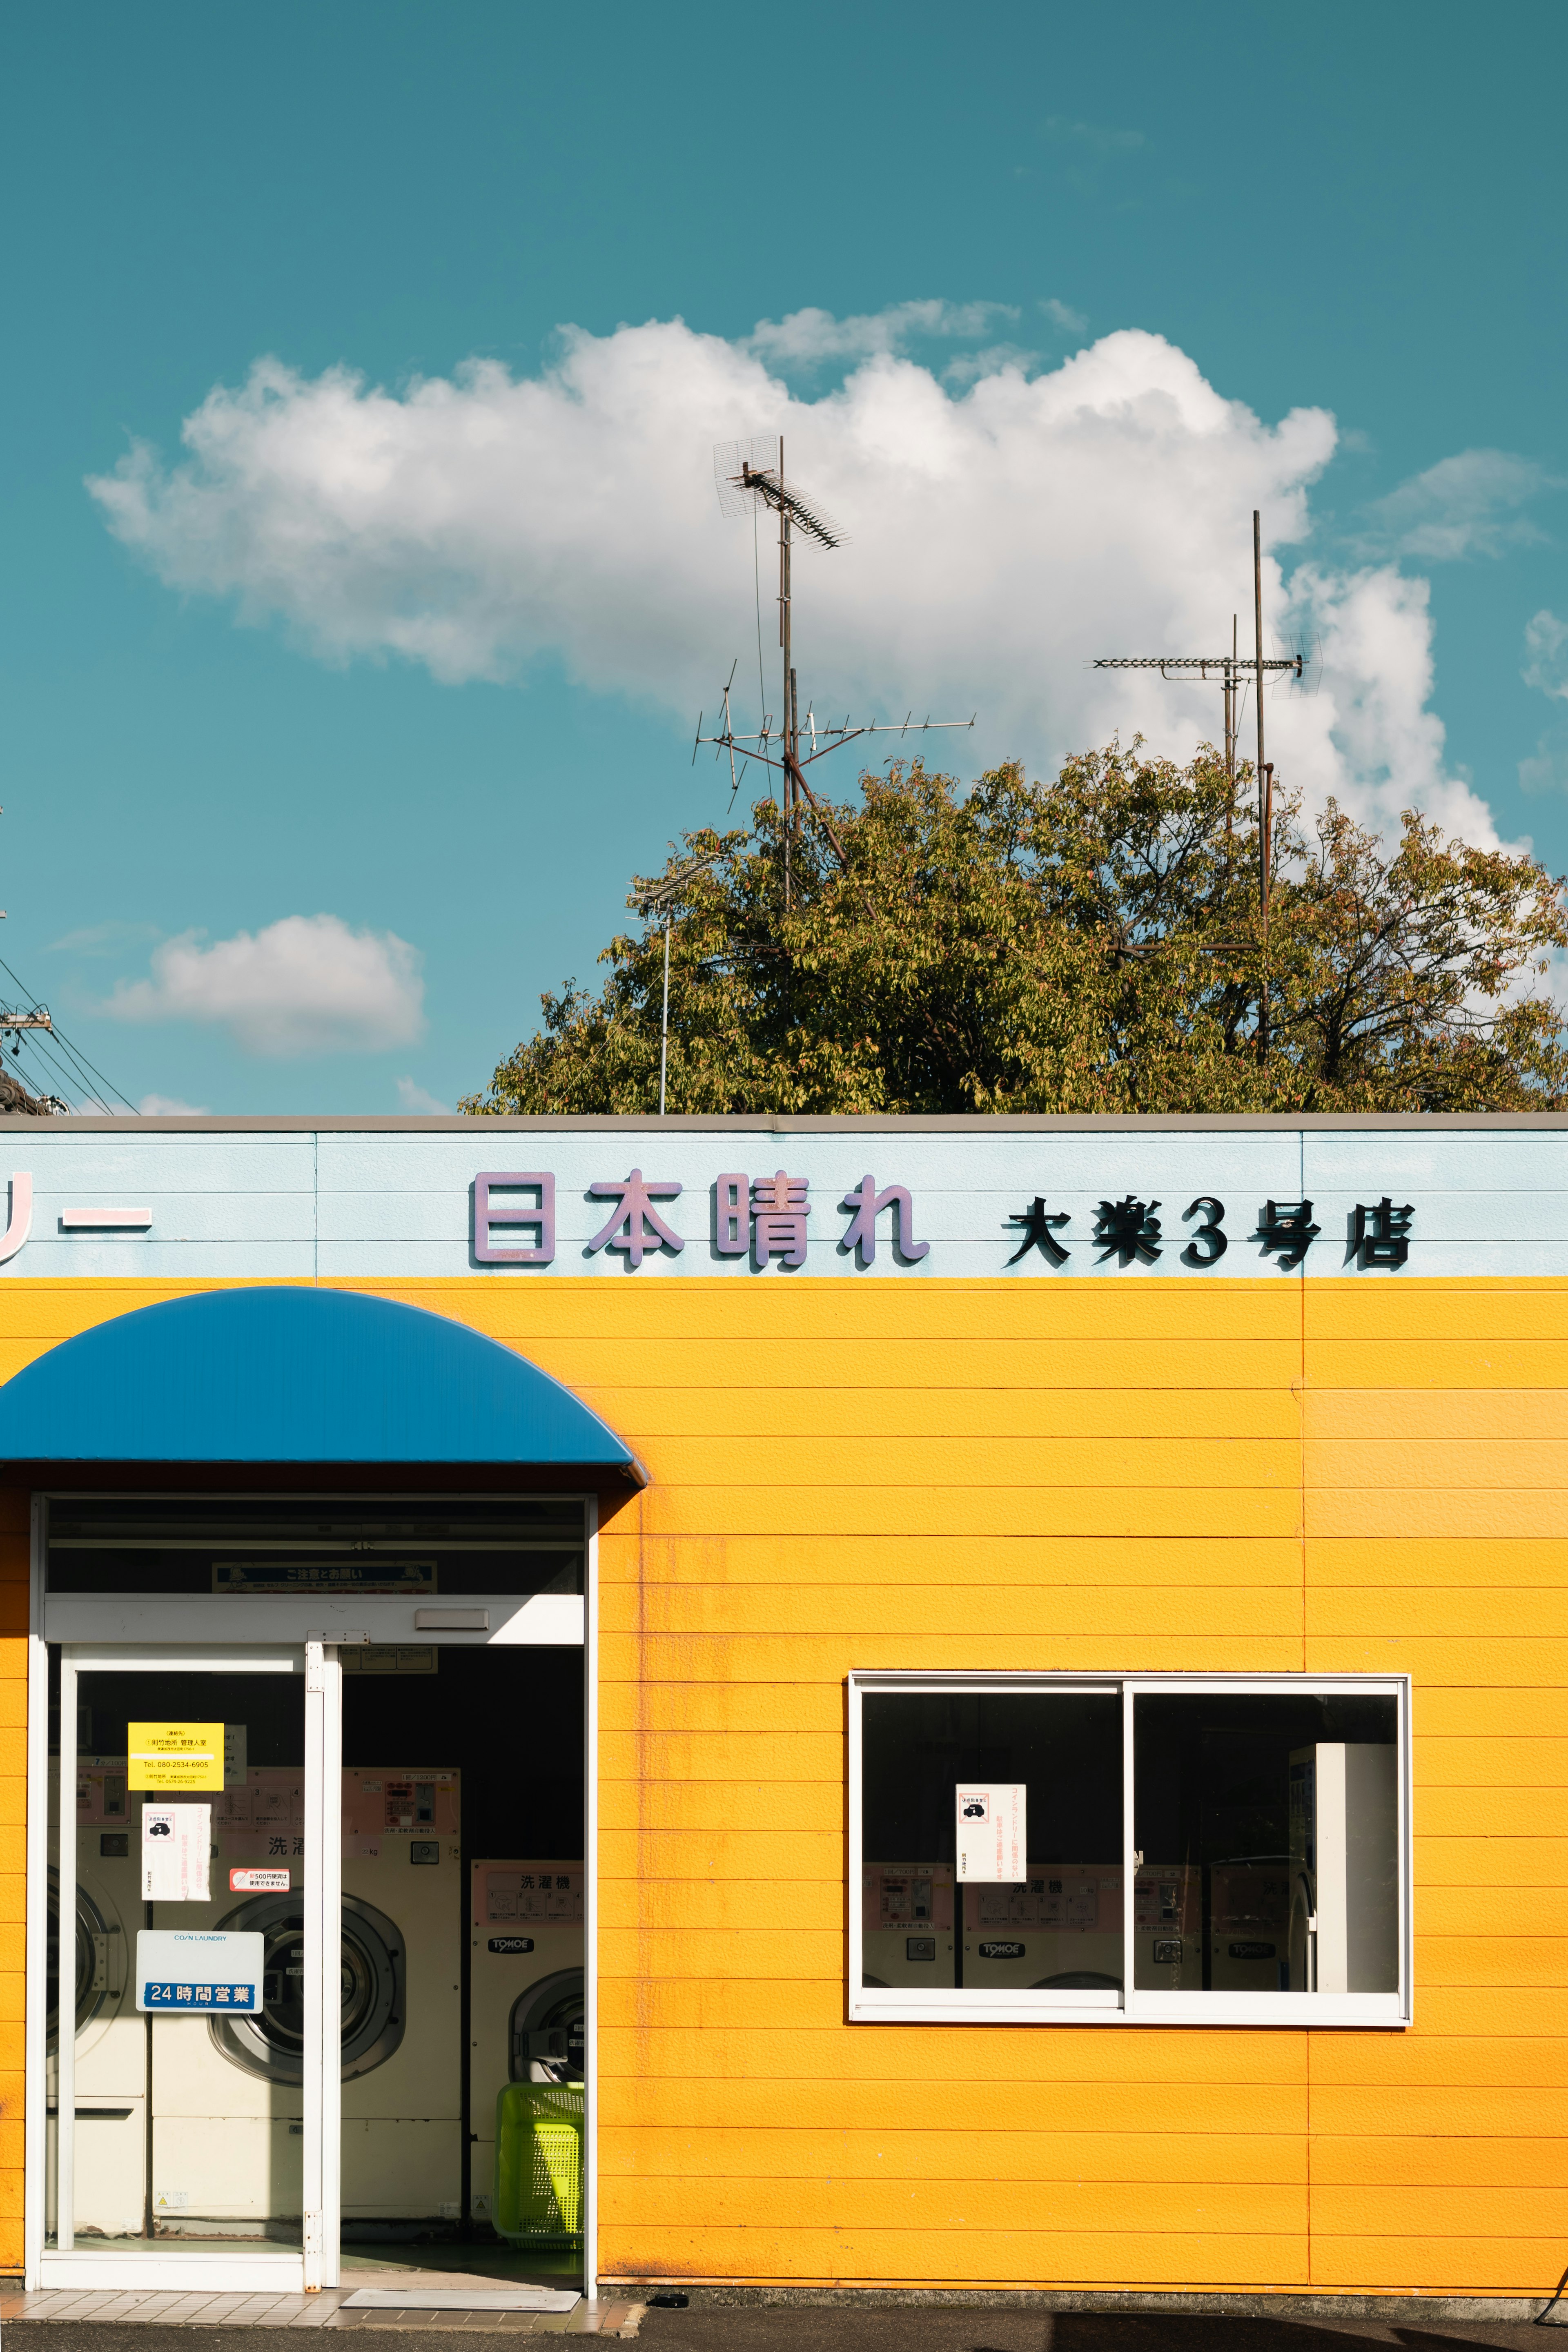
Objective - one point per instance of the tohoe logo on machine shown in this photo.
(511, 1944)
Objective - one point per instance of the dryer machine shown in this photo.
(525, 1929)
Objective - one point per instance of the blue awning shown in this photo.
(296, 1375)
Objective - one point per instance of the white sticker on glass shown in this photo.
(176, 1847)
(991, 1838)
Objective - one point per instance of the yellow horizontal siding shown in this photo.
(853, 1507)
(750, 2104)
(1098, 1612)
(1464, 1561)
(692, 1659)
(1351, 1475)
(979, 1563)
(1405, 2163)
(961, 2257)
(928, 2150)
(976, 2199)
(947, 1412)
(1434, 2264)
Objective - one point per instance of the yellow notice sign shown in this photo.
(175, 1756)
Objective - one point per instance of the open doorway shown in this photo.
(463, 1855)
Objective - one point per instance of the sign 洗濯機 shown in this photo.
(991, 1835)
(193, 1969)
(175, 1756)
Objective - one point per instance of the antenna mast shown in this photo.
(1231, 670)
(742, 483)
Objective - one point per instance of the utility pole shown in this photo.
(664, 1023)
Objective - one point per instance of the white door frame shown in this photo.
(66, 2264)
(315, 1649)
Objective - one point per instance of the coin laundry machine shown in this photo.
(110, 2052)
(525, 1997)
(228, 2125)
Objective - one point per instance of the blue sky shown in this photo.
(222, 727)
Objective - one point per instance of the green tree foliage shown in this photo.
(1094, 945)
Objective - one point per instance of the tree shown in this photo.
(1094, 945)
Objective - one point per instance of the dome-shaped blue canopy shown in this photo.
(296, 1375)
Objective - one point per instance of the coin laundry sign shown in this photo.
(196, 1970)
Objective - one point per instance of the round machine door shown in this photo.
(548, 2030)
(92, 1933)
(272, 2042)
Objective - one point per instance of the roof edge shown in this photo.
(770, 1123)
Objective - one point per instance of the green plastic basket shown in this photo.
(539, 2163)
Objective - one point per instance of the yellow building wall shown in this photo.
(1365, 1475)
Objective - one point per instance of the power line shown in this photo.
(77, 1070)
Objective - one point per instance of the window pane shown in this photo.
(1269, 1824)
(180, 2138)
(1057, 1924)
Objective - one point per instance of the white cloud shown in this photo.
(807, 337)
(103, 939)
(1546, 643)
(1546, 770)
(1467, 505)
(1096, 136)
(307, 984)
(170, 1107)
(414, 1099)
(1071, 321)
(1002, 537)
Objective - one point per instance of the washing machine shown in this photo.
(525, 1995)
(906, 1923)
(1167, 1924)
(1249, 1924)
(1062, 1927)
(228, 2125)
(111, 2037)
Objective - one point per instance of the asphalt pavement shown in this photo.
(832, 2329)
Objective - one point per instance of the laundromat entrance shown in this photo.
(328, 1896)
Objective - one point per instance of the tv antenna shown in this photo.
(1233, 670)
(750, 475)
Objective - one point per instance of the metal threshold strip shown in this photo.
(450, 2298)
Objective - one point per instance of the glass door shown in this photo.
(193, 1866)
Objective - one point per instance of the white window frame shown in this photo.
(980, 2005)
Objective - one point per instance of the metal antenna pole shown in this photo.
(1233, 719)
(1265, 786)
(664, 1026)
(1257, 665)
(785, 633)
(742, 485)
